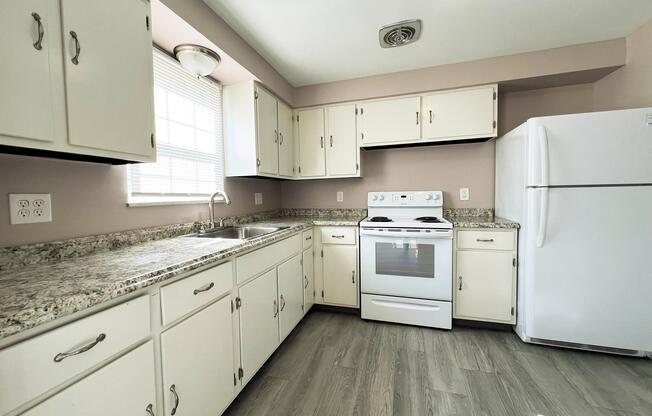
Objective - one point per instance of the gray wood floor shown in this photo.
(337, 364)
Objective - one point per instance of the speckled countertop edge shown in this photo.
(477, 218)
(37, 294)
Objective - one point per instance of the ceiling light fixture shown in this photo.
(399, 33)
(197, 60)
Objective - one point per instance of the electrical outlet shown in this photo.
(30, 208)
(258, 198)
(340, 196)
(464, 194)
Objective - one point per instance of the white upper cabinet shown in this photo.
(267, 132)
(460, 114)
(312, 162)
(285, 141)
(389, 121)
(31, 77)
(342, 148)
(109, 75)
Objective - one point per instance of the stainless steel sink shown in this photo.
(237, 232)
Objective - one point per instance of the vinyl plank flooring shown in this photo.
(338, 364)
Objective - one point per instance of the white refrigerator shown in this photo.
(580, 185)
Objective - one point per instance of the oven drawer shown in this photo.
(491, 240)
(430, 313)
(338, 235)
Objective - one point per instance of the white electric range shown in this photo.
(406, 259)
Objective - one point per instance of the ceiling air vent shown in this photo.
(400, 33)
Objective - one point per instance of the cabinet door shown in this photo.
(31, 79)
(109, 90)
(258, 322)
(290, 294)
(285, 141)
(267, 132)
(341, 148)
(459, 114)
(197, 357)
(124, 387)
(484, 285)
(340, 275)
(312, 161)
(308, 279)
(389, 121)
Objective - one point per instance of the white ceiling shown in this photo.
(315, 41)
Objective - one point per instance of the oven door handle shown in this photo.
(406, 234)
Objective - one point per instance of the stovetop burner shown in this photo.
(379, 219)
(428, 219)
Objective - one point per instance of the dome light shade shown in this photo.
(197, 60)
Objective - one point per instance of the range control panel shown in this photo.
(406, 198)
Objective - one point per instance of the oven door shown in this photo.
(415, 264)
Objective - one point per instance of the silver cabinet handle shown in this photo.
(63, 355)
(275, 309)
(75, 59)
(417, 117)
(281, 136)
(309, 238)
(321, 140)
(275, 136)
(38, 45)
(204, 288)
(430, 111)
(173, 389)
(305, 278)
(459, 287)
(331, 141)
(282, 303)
(338, 236)
(484, 240)
(353, 277)
(150, 409)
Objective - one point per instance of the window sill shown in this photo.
(153, 202)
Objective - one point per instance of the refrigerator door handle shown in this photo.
(543, 217)
(544, 161)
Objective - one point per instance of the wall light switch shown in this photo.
(258, 198)
(340, 196)
(464, 194)
(30, 208)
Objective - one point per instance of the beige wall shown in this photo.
(90, 199)
(588, 61)
(631, 85)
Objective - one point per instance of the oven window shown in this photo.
(407, 259)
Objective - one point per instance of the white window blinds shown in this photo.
(189, 164)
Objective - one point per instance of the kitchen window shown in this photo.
(189, 140)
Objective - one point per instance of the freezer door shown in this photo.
(610, 147)
(590, 281)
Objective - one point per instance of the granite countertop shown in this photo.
(39, 293)
(482, 222)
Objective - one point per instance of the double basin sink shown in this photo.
(237, 232)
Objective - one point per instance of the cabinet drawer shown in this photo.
(260, 260)
(186, 295)
(29, 369)
(338, 235)
(492, 240)
(307, 238)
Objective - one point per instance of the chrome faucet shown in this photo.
(211, 208)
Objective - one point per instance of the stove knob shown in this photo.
(428, 197)
(435, 197)
(374, 197)
(381, 197)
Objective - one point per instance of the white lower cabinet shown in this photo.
(259, 310)
(485, 278)
(124, 387)
(336, 268)
(308, 279)
(197, 357)
(290, 294)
